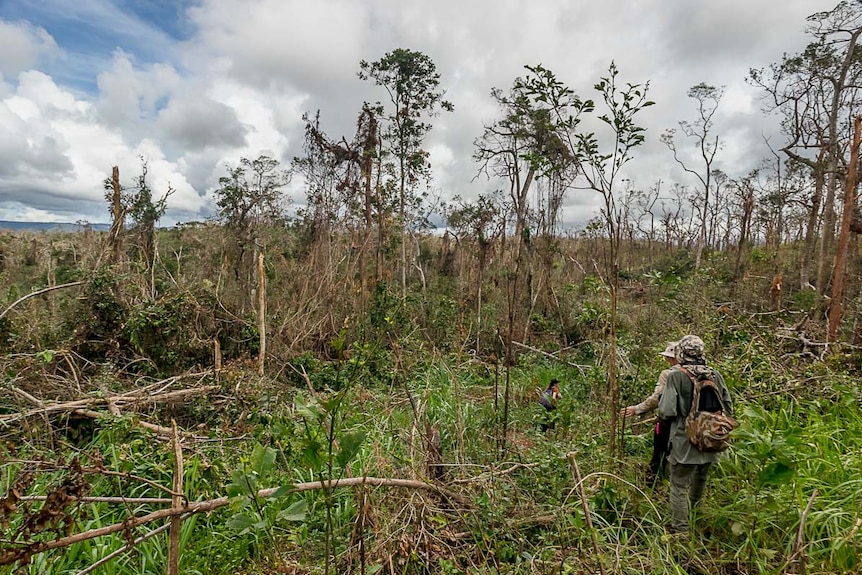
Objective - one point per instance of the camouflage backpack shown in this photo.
(708, 430)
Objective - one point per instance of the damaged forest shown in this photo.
(342, 388)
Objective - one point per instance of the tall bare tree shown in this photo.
(522, 148)
(707, 143)
(249, 198)
(816, 92)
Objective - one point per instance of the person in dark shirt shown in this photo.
(548, 399)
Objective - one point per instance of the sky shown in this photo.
(193, 86)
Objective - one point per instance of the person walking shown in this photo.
(689, 465)
(548, 399)
(661, 432)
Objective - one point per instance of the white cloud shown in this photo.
(129, 96)
(237, 87)
(57, 155)
(18, 212)
(271, 42)
(22, 46)
(42, 92)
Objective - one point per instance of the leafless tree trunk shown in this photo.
(261, 318)
(835, 307)
(118, 214)
(747, 195)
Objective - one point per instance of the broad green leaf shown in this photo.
(296, 512)
(779, 472)
(241, 522)
(308, 410)
(312, 453)
(240, 503)
(348, 446)
(337, 342)
(239, 484)
(331, 405)
(262, 460)
(282, 491)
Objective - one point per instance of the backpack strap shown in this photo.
(695, 394)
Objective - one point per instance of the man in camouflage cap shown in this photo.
(690, 350)
(689, 466)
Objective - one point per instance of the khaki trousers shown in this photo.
(687, 484)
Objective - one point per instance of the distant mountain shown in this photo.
(51, 227)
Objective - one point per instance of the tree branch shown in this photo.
(10, 556)
(41, 291)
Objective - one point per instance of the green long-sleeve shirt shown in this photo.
(674, 405)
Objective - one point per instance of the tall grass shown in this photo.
(791, 450)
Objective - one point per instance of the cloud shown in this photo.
(28, 147)
(129, 95)
(23, 46)
(17, 211)
(56, 154)
(192, 87)
(200, 123)
(273, 42)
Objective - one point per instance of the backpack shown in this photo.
(547, 399)
(706, 426)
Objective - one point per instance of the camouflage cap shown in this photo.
(690, 349)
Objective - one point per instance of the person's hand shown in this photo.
(628, 412)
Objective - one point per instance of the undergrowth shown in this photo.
(417, 390)
(801, 452)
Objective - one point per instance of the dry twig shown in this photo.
(552, 356)
(580, 486)
(117, 400)
(41, 291)
(176, 520)
(10, 556)
(797, 557)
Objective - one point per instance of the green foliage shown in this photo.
(162, 331)
(99, 318)
(250, 194)
(751, 514)
(805, 300)
(780, 458)
(328, 450)
(439, 315)
(387, 314)
(249, 337)
(253, 515)
(412, 82)
(593, 316)
(7, 334)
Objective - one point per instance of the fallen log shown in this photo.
(113, 402)
(25, 551)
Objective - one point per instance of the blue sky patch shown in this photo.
(90, 32)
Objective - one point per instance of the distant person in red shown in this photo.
(661, 434)
(548, 399)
